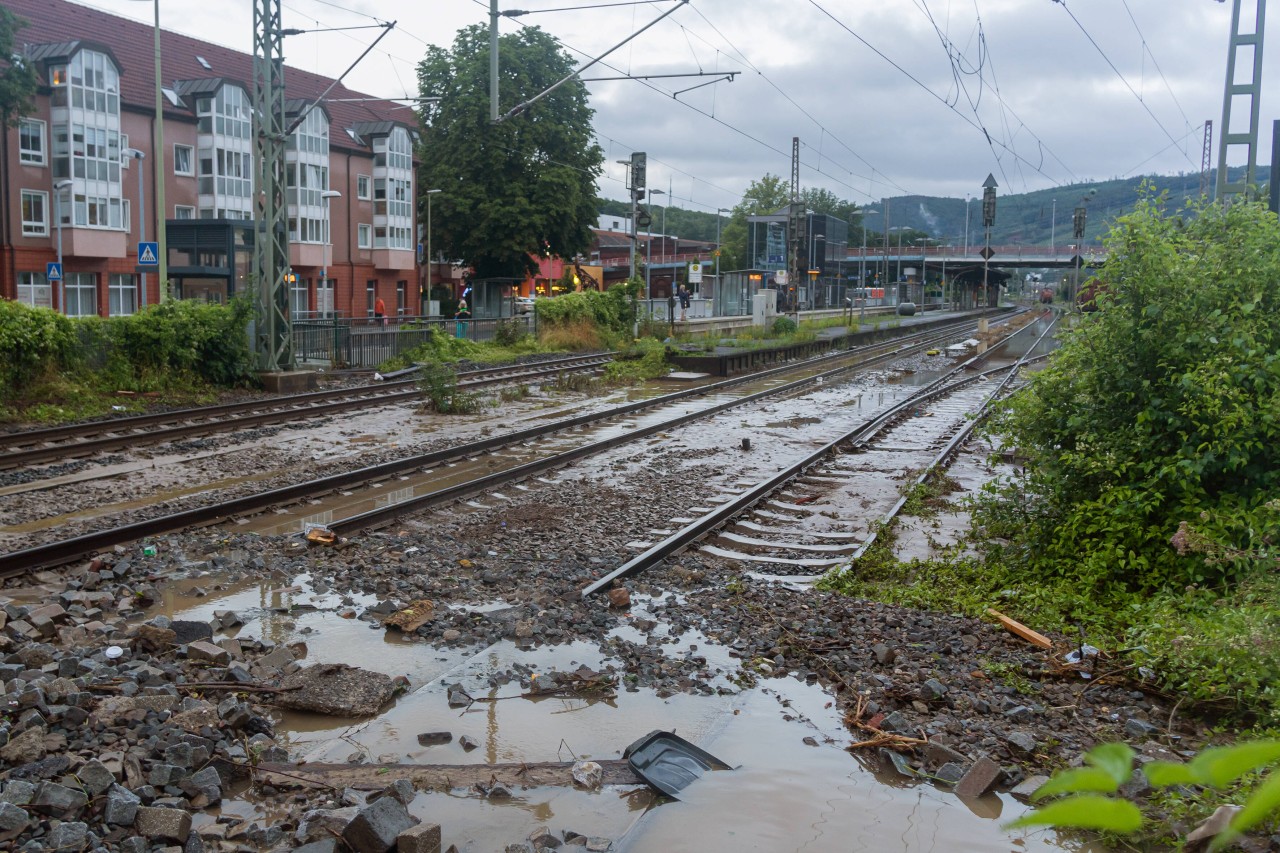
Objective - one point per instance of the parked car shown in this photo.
(524, 304)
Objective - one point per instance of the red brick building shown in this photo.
(353, 232)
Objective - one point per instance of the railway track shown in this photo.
(35, 447)
(467, 470)
(786, 522)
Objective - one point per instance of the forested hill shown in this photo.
(1025, 218)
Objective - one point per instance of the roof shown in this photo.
(58, 28)
(611, 239)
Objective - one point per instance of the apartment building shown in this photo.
(76, 158)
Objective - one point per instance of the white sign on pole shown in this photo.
(695, 273)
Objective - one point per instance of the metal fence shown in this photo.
(366, 343)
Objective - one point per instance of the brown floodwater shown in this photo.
(784, 795)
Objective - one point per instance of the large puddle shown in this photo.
(795, 787)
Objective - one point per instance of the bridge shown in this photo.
(1013, 255)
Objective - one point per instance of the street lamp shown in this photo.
(58, 187)
(430, 262)
(648, 250)
(325, 195)
(924, 260)
(142, 228)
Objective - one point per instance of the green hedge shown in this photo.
(177, 339)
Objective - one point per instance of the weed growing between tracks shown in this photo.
(439, 385)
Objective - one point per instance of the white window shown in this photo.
(35, 213)
(34, 290)
(299, 297)
(31, 148)
(362, 187)
(123, 294)
(182, 211)
(82, 294)
(183, 160)
(364, 236)
(128, 219)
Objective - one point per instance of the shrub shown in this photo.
(646, 359)
(1158, 408)
(32, 342)
(439, 384)
(783, 326)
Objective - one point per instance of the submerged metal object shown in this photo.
(669, 763)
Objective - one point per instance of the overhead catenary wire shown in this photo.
(1123, 79)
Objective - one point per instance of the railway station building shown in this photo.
(84, 155)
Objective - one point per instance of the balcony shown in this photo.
(307, 254)
(92, 242)
(392, 259)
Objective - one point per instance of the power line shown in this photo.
(1159, 70)
(974, 124)
(1102, 53)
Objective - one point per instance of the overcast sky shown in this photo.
(887, 96)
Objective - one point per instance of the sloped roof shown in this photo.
(59, 25)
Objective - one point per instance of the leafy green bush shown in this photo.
(783, 326)
(646, 359)
(32, 341)
(1160, 407)
(612, 312)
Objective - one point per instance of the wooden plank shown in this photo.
(439, 777)
(1016, 627)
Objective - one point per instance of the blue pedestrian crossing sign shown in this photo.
(53, 272)
(148, 254)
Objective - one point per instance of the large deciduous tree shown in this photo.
(523, 185)
(17, 77)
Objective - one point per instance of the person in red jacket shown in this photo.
(380, 311)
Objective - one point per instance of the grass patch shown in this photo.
(645, 359)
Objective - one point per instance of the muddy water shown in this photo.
(785, 795)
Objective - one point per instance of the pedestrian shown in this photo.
(461, 316)
(684, 296)
(380, 311)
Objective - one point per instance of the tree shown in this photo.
(522, 186)
(1162, 407)
(17, 76)
(767, 195)
(824, 201)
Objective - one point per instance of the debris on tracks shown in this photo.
(442, 777)
(337, 690)
(1015, 627)
(412, 617)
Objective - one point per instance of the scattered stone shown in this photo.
(1135, 728)
(981, 776)
(541, 838)
(1028, 786)
(895, 723)
(885, 656)
(1021, 741)
(162, 823)
(468, 743)
(13, 820)
(434, 738)
(951, 773)
(69, 835)
(619, 597)
(937, 754)
(122, 806)
(58, 800)
(376, 827)
(187, 631)
(423, 838)
(206, 651)
(459, 698)
(24, 748)
(932, 690)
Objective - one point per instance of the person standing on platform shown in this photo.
(380, 311)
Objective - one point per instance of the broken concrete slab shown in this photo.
(337, 690)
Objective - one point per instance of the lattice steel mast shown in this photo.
(273, 335)
(1253, 91)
